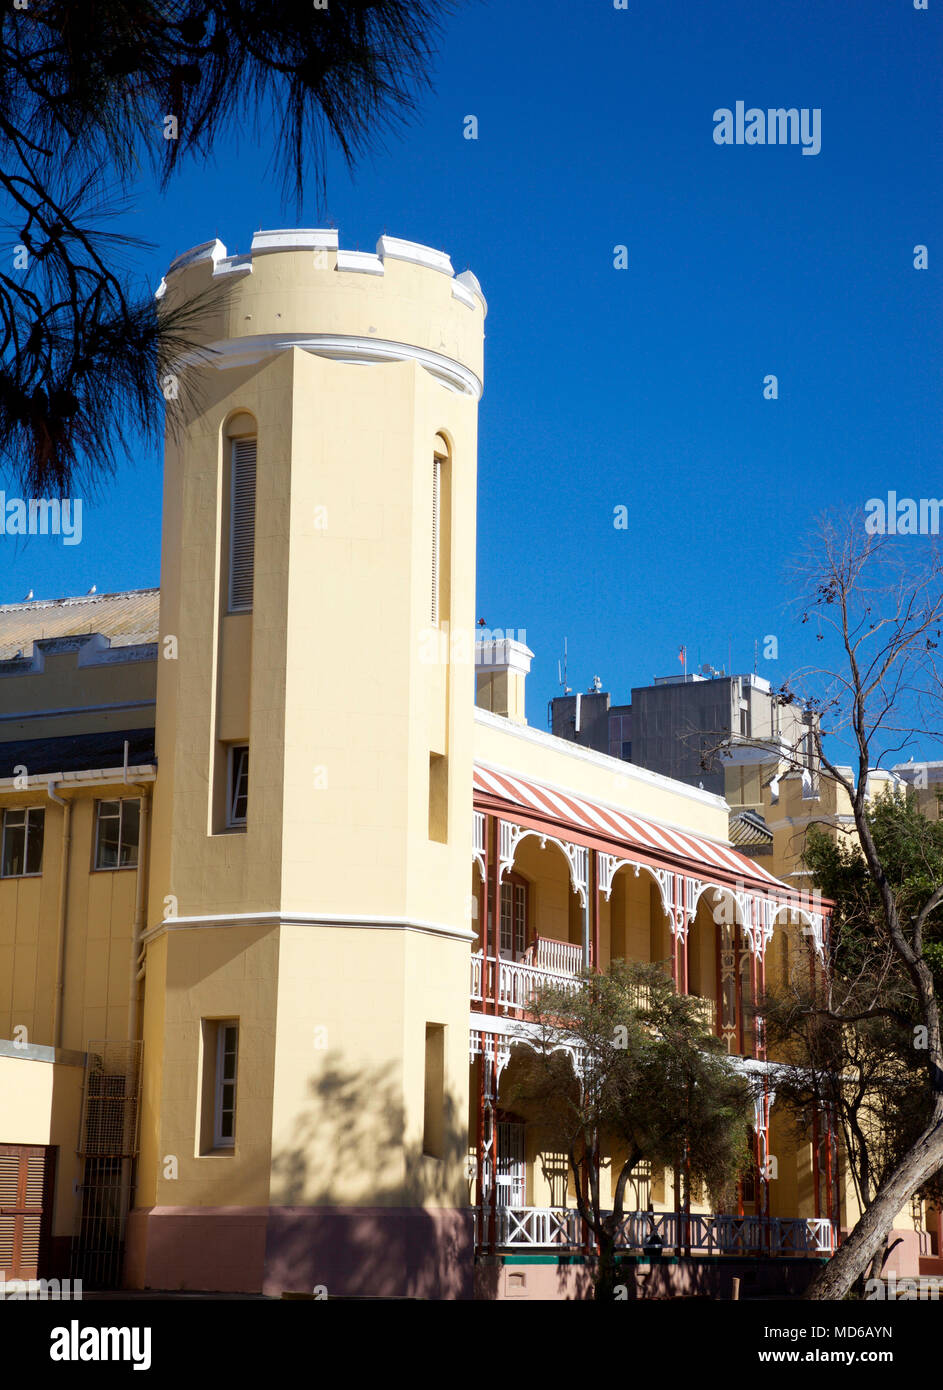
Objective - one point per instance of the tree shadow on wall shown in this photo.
(410, 1232)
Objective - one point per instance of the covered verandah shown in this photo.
(712, 916)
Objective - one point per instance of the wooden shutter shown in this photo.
(242, 523)
(25, 1195)
(436, 493)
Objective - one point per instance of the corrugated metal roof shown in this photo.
(746, 828)
(126, 619)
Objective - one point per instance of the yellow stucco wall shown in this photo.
(100, 915)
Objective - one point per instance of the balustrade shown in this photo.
(666, 1231)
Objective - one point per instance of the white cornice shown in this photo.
(246, 352)
(469, 281)
(295, 239)
(360, 262)
(307, 919)
(394, 249)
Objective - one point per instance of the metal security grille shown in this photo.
(108, 1142)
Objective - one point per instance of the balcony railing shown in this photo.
(517, 981)
(560, 957)
(557, 965)
(559, 1227)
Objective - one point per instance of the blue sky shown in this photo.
(642, 386)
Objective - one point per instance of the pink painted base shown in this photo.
(380, 1252)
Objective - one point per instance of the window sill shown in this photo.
(111, 868)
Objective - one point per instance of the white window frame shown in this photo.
(121, 800)
(234, 822)
(238, 460)
(512, 927)
(222, 1079)
(25, 811)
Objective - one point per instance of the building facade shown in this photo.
(275, 891)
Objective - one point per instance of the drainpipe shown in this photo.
(63, 909)
(136, 972)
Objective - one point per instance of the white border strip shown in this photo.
(307, 919)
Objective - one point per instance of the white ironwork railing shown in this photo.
(517, 982)
(675, 1231)
(561, 957)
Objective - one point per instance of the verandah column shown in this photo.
(496, 913)
(592, 876)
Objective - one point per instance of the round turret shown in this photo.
(297, 289)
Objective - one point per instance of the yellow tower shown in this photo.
(305, 1014)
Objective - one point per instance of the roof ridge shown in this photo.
(69, 599)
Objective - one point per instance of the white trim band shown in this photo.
(246, 352)
(307, 919)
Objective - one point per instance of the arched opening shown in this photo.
(540, 906)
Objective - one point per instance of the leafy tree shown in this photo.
(655, 1086)
(91, 94)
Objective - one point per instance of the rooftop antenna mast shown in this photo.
(561, 671)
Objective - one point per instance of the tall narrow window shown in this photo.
(513, 918)
(439, 797)
(433, 1120)
(227, 1049)
(242, 525)
(238, 784)
(436, 535)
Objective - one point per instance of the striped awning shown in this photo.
(692, 853)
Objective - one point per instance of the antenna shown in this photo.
(561, 671)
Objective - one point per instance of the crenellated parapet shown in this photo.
(298, 288)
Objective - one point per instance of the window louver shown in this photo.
(242, 524)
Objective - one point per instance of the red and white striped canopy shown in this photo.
(648, 837)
